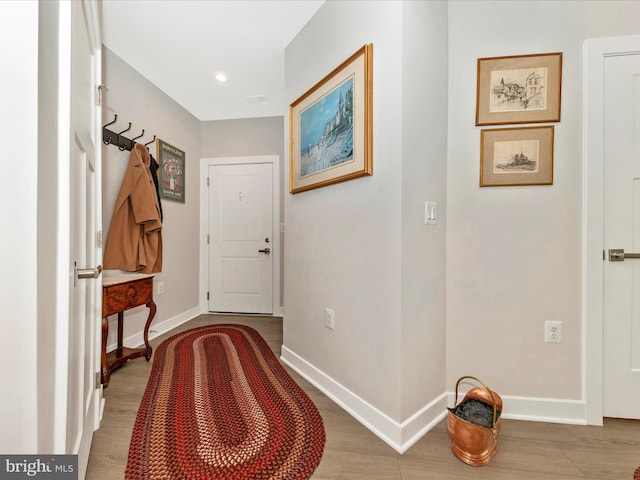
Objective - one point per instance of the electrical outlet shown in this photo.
(553, 331)
(160, 288)
(329, 318)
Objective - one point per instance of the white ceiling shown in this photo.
(179, 45)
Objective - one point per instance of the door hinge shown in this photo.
(207, 181)
(98, 380)
(101, 88)
(207, 295)
(207, 238)
(99, 239)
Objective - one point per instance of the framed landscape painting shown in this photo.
(519, 89)
(331, 126)
(516, 156)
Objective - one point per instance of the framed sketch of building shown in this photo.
(331, 126)
(516, 156)
(519, 89)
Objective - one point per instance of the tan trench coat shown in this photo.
(134, 243)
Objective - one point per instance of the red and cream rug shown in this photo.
(219, 405)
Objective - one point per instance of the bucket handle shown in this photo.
(493, 399)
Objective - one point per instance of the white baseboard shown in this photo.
(401, 436)
(204, 310)
(417, 426)
(531, 409)
(158, 328)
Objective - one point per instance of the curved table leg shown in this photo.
(152, 313)
(103, 353)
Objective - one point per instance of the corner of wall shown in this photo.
(399, 436)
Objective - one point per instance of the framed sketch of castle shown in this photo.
(516, 156)
(331, 126)
(519, 89)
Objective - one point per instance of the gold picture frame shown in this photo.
(331, 126)
(519, 89)
(516, 156)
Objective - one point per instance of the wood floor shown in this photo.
(528, 450)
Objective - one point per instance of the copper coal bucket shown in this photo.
(472, 442)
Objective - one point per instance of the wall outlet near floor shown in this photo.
(553, 331)
(329, 318)
(160, 288)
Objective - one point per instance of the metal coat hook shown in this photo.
(149, 143)
(110, 137)
(105, 139)
(125, 130)
(139, 136)
(123, 146)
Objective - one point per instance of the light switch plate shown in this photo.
(430, 213)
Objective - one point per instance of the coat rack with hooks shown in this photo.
(109, 137)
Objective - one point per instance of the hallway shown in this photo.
(528, 450)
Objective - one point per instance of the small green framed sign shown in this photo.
(171, 161)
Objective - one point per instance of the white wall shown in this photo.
(514, 253)
(49, 199)
(134, 99)
(343, 241)
(424, 171)
(243, 137)
(362, 248)
(18, 195)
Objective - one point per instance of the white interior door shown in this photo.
(241, 238)
(83, 392)
(621, 332)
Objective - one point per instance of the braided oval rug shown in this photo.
(219, 405)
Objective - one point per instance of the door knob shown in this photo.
(266, 251)
(618, 255)
(79, 273)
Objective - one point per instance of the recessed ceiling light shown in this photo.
(221, 76)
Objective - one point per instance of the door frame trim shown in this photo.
(205, 163)
(594, 53)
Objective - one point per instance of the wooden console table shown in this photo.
(121, 293)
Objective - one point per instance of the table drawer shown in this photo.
(120, 297)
